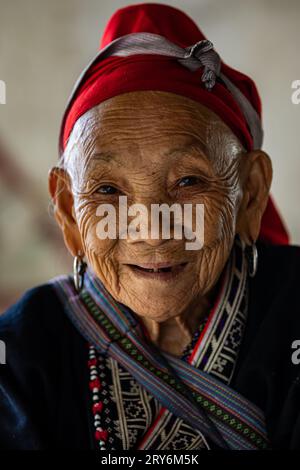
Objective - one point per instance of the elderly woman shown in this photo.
(153, 343)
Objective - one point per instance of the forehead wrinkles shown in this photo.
(133, 127)
(152, 118)
(149, 121)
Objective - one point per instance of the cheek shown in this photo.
(219, 219)
(100, 253)
(219, 232)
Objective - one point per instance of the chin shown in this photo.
(155, 307)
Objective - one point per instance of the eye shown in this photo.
(107, 189)
(188, 181)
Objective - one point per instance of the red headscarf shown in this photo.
(114, 75)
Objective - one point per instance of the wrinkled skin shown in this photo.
(141, 129)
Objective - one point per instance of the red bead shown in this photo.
(92, 362)
(95, 383)
(97, 407)
(101, 435)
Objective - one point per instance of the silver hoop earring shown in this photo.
(252, 257)
(79, 267)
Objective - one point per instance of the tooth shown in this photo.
(155, 270)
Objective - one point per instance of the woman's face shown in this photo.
(155, 148)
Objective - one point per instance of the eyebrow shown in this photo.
(188, 148)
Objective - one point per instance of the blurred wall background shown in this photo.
(43, 47)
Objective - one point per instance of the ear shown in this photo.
(59, 185)
(256, 179)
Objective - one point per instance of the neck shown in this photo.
(174, 334)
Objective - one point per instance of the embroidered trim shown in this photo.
(211, 406)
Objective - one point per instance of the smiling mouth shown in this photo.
(158, 271)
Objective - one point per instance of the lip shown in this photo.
(173, 272)
(156, 265)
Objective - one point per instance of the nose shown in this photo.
(152, 228)
(149, 241)
(144, 234)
